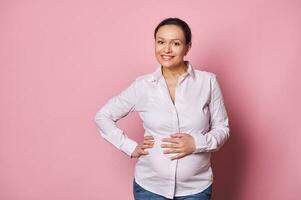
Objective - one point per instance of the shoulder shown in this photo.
(139, 82)
(202, 74)
(144, 78)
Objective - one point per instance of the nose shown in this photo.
(167, 48)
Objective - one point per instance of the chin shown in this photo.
(168, 64)
(164, 64)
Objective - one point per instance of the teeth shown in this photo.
(167, 57)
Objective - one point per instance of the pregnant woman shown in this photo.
(183, 116)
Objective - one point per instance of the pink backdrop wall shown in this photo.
(61, 60)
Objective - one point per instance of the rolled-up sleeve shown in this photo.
(114, 109)
(219, 122)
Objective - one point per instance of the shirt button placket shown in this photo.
(174, 162)
(176, 127)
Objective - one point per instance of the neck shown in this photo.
(174, 72)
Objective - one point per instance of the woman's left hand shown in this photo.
(181, 143)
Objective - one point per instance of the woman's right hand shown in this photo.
(147, 142)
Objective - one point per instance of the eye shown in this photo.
(160, 42)
(177, 43)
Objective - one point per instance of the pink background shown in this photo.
(60, 61)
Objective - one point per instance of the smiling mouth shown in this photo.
(166, 58)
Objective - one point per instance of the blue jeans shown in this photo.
(142, 194)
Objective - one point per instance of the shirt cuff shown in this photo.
(200, 142)
(128, 146)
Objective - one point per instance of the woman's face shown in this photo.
(170, 47)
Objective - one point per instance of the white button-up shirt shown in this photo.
(198, 110)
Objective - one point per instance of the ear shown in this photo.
(188, 47)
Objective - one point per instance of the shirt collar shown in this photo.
(157, 74)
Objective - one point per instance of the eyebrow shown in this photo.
(170, 39)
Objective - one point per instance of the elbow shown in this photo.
(98, 119)
(220, 136)
(227, 132)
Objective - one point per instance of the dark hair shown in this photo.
(178, 22)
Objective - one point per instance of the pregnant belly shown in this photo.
(160, 164)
